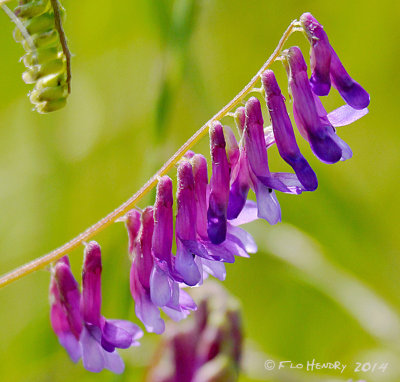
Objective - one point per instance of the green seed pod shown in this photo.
(45, 59)
(38, 71)
(48, 94)
(32, 9)
(41, 55)
(40, 24)
(42, 40)
(49, 106)
(58, 79)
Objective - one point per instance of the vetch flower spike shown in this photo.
(327, 66)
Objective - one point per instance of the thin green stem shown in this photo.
(45, 260)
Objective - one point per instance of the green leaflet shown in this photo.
(45, 60)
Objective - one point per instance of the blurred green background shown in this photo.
(146, 75)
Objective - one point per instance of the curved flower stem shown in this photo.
(63, 40)
(45, 260)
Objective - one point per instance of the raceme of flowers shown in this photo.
(210, 210)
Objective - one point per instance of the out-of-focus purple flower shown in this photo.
(164, 289)
(283, 132)
(100, 337)
(219, 186)
(64, 312)
(208, 347)
(326, 66)
(142, 266)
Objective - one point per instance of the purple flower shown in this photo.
(219, 186)
(64, 312)
(165, 291)
(238, 242)
(326, 67)
(186, 242)
(311, 119)
(252, 169)
(142, 266)
(283, 132)
(100, 337)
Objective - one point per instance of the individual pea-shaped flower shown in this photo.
(252, 169)
(140, 230)
(186, 242)
(326, 67)
(100, 337)
(283, 132)
(219, 186)
(165, 291)
(64, 312)
(317, 127)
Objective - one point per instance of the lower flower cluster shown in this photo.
(209, 211)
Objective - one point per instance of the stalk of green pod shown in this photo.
(45, 57)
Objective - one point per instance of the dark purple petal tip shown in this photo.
(216, 227)
(305, 173)
(325, 148)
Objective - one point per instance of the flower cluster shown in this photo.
(76, 317)
(209, 211)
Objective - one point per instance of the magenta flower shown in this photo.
(283, 132)
(64, 312)
(165, 291)
(219, 186)
(142, 266)
(326, 67)
(100, 337)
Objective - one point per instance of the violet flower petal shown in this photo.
(120, 333)
(199, 166)
(145, 310)
(219, 186)
(91, 284)
(305, 112)
(247, 215)
(320, 54)
(160, 288)
(351, 91)
(214, 268)
(92, 352)
(345, 115)
(163, 221)
(284, 134)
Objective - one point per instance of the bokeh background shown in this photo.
(325, 283)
